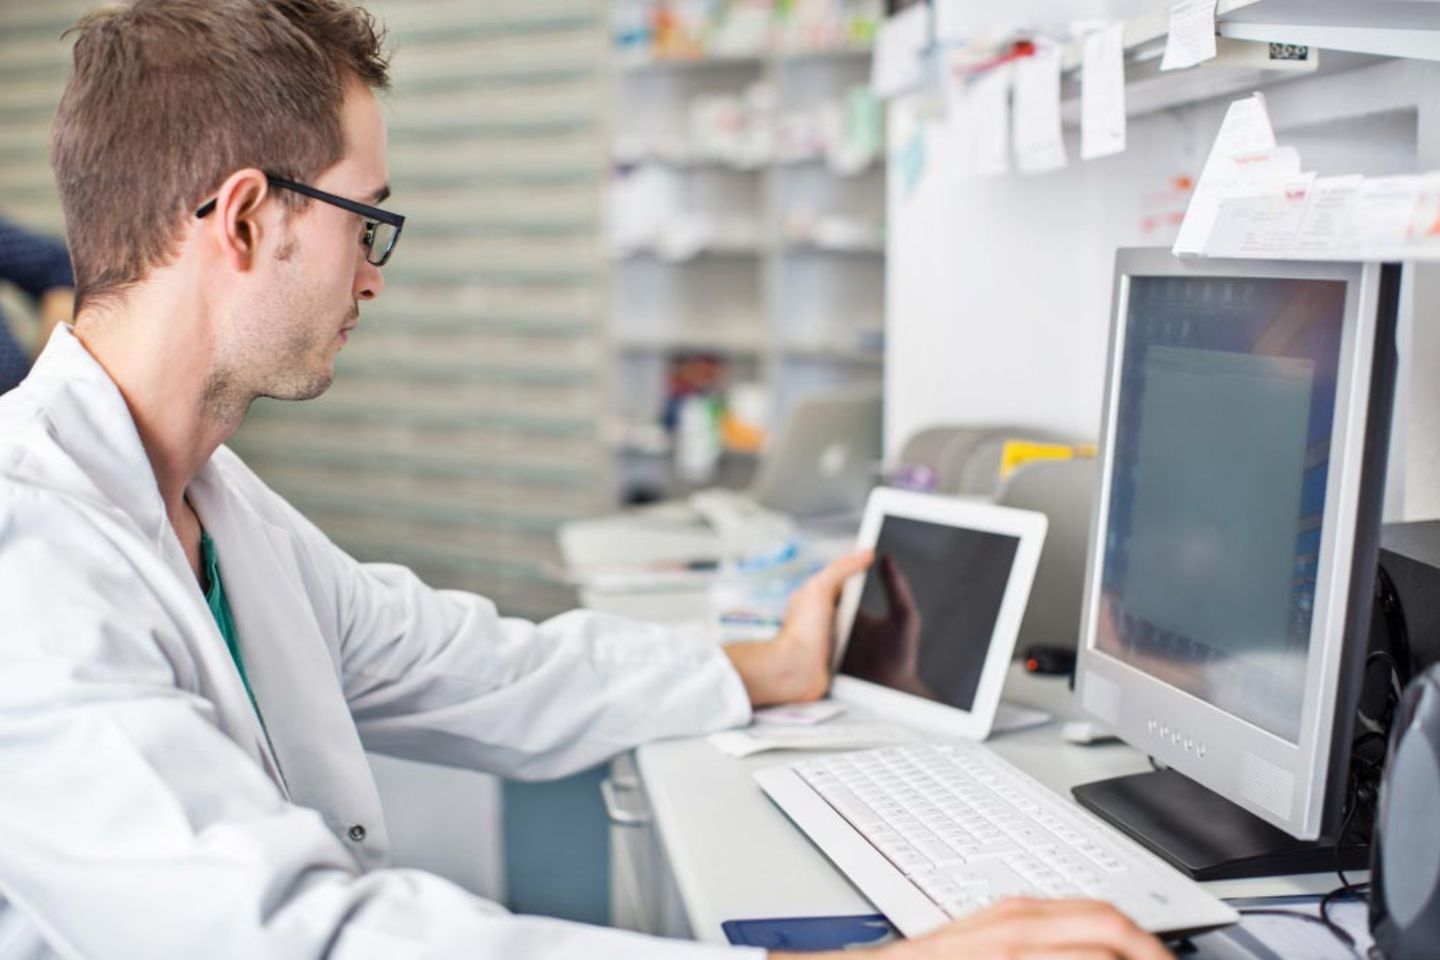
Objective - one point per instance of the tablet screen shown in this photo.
(928, 609)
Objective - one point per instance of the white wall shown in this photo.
(1000, 288)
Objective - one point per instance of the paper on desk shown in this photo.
(1382, 220)
(1245, 133)
(1241, 175)
(801, 714)
(1262, 223)
(1039, 144)
(1192, 34)
(1102, 93)
(1327, 214)
(1253, 201)
(899, 60)
(1423, 236)
(847, 736)
(1331, 218)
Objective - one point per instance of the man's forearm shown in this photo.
(773, 673)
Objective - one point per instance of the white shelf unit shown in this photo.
(786, 282)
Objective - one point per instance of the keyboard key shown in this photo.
(968, 830)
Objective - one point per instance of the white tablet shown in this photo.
(925, 635)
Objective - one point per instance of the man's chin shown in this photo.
(306, 390)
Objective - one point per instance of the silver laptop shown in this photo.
(822, 459)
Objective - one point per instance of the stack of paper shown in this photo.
(1254, 200)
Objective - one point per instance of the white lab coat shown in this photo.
(145, 812)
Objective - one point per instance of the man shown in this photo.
(189, 670)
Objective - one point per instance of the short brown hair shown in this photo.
(170, 97)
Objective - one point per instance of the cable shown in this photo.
(1337, 931)
(1354, 802)
(1331, 897)
(1369, 745)
(1363, 784)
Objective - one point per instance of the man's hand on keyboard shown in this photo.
(1024, 929)
(795, 666)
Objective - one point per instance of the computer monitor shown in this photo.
(1227, 592)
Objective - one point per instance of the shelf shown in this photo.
(1343, 34)
(431, 227)
(536, 74)
(876, 249)
(699, 344)
(467, 373)
(1146, 34)
(812, 350)
(645, 63)
(448, 129)
(630, 63)
(333, 412)
(42, 30)
(463, 320)
(859, 51)
(823, 160)
(413, 555)
(501, 176)
(25, 152)
(414, 462)
(1148, 90)
(421, 274)
(681, 159)
(716, 250)
(494, 28)
(649, 452)
(422, 510)
(25, 112)
(1386, 28)
(689, 184)
(54, 72)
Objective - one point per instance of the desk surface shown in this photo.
(736, 856)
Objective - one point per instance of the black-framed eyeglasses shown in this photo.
(382, 228)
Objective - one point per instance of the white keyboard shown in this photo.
(930, 832)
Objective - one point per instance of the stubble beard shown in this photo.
(302, 368)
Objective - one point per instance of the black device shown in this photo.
(1410, 560)
(1044, 659)
(1405, 867)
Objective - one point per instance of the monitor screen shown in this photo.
(1220, 454)
(928, 609)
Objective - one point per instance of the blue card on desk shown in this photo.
(811, 933)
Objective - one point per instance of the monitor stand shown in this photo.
(1205, 836)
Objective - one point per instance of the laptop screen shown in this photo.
(928, 609)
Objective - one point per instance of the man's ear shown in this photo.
(236, 227)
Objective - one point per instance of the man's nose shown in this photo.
(368, 282)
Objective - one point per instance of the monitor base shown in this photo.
(1205, 836)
